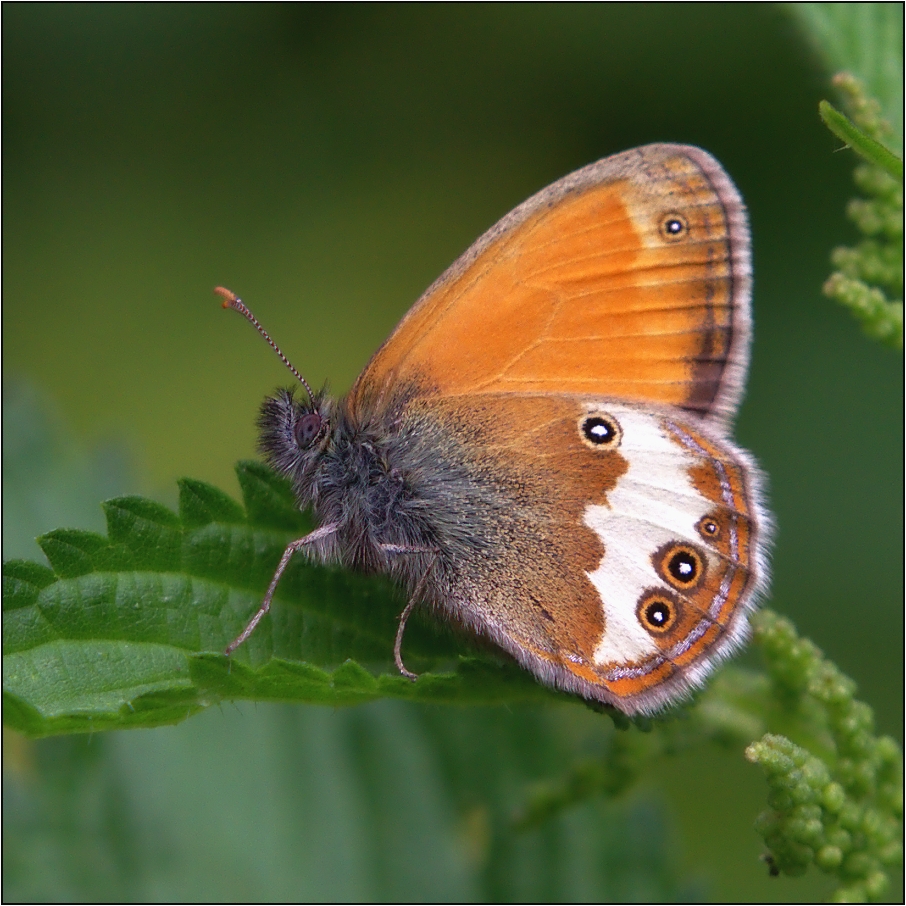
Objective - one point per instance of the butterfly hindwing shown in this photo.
(613, 546)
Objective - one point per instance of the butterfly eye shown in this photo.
(307, 429)
(680, 565)
(674, 226)
(599, 431)
(657, 612)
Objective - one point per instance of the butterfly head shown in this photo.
(295, 433)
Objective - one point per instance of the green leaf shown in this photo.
(201, 504)
(268, 498)
(147, 528)
(473, 682)
(873, 151)
(865, 39)
(22, 581)
(126, 630)
(72, 552)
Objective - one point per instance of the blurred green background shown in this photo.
(327, 162)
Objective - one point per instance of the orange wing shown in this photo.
(628, 279)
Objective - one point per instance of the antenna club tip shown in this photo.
(228, 296)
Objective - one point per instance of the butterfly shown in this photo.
(541, 450)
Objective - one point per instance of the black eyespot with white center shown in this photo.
(658, 611)
(680, 565)
(307, 429)
(674, 227)
(600, 431)
(709, 528)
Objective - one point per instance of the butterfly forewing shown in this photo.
(628, 279)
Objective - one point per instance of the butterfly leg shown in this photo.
(398, 644)
(291, 548)
(413, 600)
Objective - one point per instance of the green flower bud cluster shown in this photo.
(868, 275)
(839, 807)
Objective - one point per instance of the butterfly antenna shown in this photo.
(231, 300)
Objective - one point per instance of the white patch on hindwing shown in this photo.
(654, 503)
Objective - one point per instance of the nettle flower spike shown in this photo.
(868, 277)
(841, 810)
